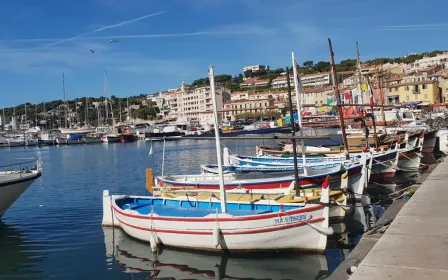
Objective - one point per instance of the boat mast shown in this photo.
(35, 114)
(25, 115)
(129, 111)
(119, 105)
(3, 119)
(358, 64)
(98, 113)
(65, 102)
(211, 76)
(105, 96)
(86, 117)
(299, 110)
(76, 111)
(380, 95)
(377, 141)
(293, 134)
(338, 101)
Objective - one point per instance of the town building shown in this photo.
(237, 107)
(310, 80)
(426, 91)
(191, 103)
(440, 59)
(255, 68)
(254, 83)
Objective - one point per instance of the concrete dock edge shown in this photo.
(415, 245)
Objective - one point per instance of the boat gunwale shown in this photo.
(300, 209)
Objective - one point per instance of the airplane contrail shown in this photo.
(102, 29)
(138, 36)
(170, 35)
(416, 25)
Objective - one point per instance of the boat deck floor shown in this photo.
(179, 211)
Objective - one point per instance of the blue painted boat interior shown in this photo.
(195, 209)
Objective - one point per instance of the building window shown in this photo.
(407, 88)
(390, 90)
(426, 96)
(424, 86)
(416, 88)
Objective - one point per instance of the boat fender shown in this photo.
(282, 208)
(216, 235)
(153, 241)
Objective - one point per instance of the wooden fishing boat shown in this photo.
(384, 162)
(259, 181)
(201, 225)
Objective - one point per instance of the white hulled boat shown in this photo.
(15, 178)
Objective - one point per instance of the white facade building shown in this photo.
(441, 59)
(311, 80)
(254, 68)
(192, 104)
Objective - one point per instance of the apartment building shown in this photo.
(254, 68)
(241, 106)
(258, 95)
(254, 83)
(440, 59)
(426, 91)
(191, 103)
(311, 80)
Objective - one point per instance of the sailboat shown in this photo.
(110, 134)
(218, 225)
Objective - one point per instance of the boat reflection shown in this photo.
(131, 256)
(17, 259)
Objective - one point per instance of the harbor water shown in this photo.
(54, 229)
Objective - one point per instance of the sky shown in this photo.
(163, 43)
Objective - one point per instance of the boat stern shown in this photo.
(109, 219)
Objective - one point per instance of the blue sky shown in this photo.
(162, 43)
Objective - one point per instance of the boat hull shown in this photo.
(409, 161)
(430, 142)
(91, 140)
(11, 190)
(61, 141)
(384, 165)
(125, 138)
(110, 139)
(272, 231)
(231, 182)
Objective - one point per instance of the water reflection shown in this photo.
(17, 257)
(130, 256)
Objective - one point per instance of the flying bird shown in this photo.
(92, 51)
(113, 41)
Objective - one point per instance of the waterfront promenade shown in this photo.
(415, 245)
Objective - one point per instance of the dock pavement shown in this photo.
(415, 246)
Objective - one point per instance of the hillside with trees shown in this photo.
(53, 111)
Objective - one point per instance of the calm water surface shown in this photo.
(54, 229)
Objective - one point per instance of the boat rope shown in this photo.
(421, 164)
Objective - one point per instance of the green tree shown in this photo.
(248, 74)
(308, 64)
(322, 66)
